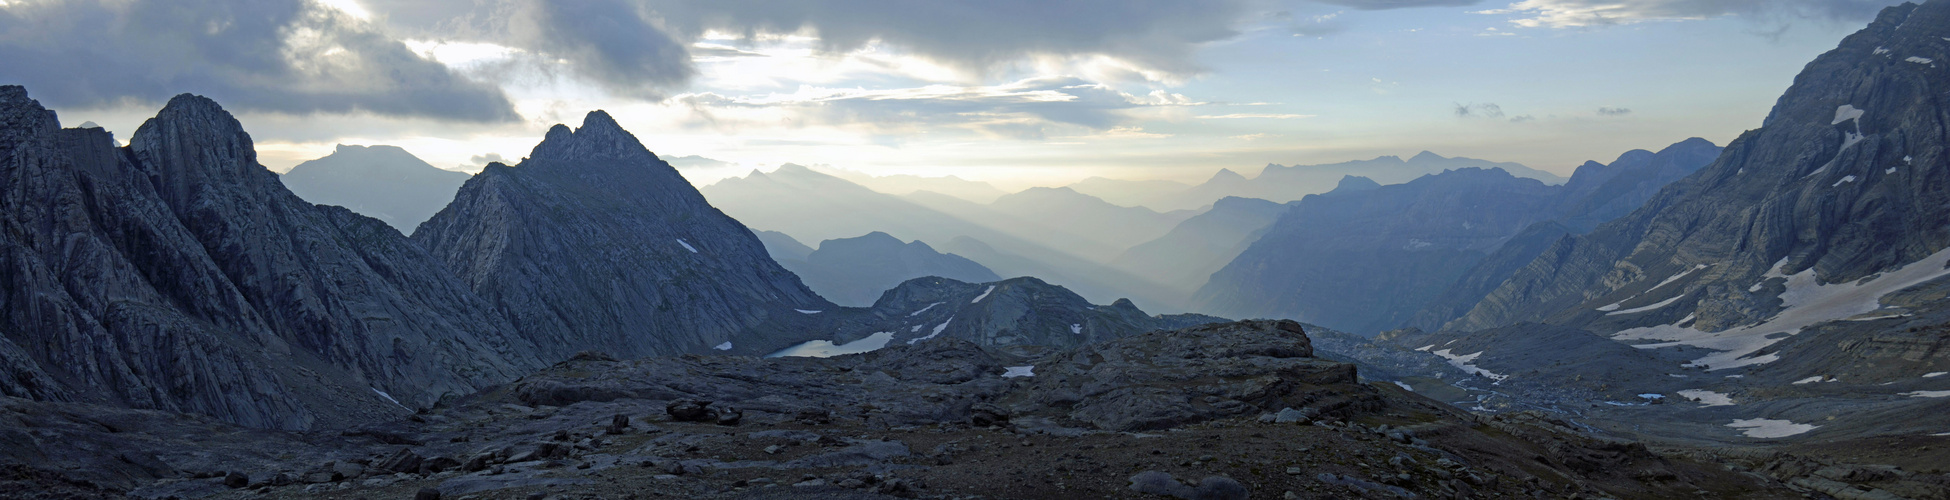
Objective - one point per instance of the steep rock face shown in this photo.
(595, 243)
(855, 271)
(1845, 179)
(178, 274)
(382, 182)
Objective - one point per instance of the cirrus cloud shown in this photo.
(1586, 13)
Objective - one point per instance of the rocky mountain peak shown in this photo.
(1426, 156)
(599, 137)
(1354, 183)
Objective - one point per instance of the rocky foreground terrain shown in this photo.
(1229, 410)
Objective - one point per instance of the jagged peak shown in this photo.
(598, 137)
(1227, 173)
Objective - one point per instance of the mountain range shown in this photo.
(1280, 183)
(855, 271)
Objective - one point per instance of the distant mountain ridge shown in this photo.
(382, 182)
(1281, 183)
(1366, 258)
(856, 271)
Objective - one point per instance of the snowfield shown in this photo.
(985, 294)
(1807, 302)
(826, 348)
(1463, 362)
(1768, 428)
(1708, 398)
(687, 246)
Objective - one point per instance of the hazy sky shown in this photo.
(1015, 92)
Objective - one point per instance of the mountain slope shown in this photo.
(595, 243)
(855, 271)
(1844, 180)
(782, 246)
(1201, 245)
(1281, 184)
(177, 273)
(382, 182)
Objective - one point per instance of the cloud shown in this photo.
(1614, 111)
(478, 162)
(1269, 116)
(1030, 109)
(642, 47)
(1522, 119)
(1398, 4)
(1583, 13)
(284, 56)
(1483, 110)
(695, 161)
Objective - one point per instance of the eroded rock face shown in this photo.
(178, 274)
(595, 243)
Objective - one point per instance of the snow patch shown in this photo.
(1920, 60)
(826, 348)
(924, 309)
(1810, 380)
(1425, 348)
(1881, 51)
(1927, 394)
(985, 294)
(807, 311)
(1464, 363)
(1404, 386)
(389, 397)
(1076, 328)
(1020, 371)
(1935, 374)
(1661, 303)
(937, 331)
(1845, 179)
(1707, 398)
(1845, 113)
(1806, 302)
(1768, 428)
(687, 246)
(916, 328)
(1615, 305)
(1890, 170)
(1652, 396)
(726, 346)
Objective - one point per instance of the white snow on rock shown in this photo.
(1615, 305)
(1881, 50)
(1020, 371)
(726, 346)
(1463, 362)
(1806, 303)
(1890, 170)
(687, 246)
(1845, 113)
(1920, 60)
(389, 398)
(916, 328)
(1661, 303)
(1076, 328)
(1707, 398)
(1810, 380)
(924, 309)
(984, 295)
(1768, 428)
(1425, 348)
(937, 331)
(1927, 394)
(1652, 396)
(1404, 386)
(807, 311)
(1845, 179)
(1935, 374)
(826, 348)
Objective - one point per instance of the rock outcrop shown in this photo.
(1021, 312)
(178, 274)
(593, 243)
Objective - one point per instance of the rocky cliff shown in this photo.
(177, 273)
(593, 242)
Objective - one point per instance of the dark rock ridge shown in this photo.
(593, 242)
(855, 271)
(178, 274)
(1024, 312)
(382, 182)
(1846, 177)
(1365, 259)
(943, 418)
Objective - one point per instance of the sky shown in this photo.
(1017, 93)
